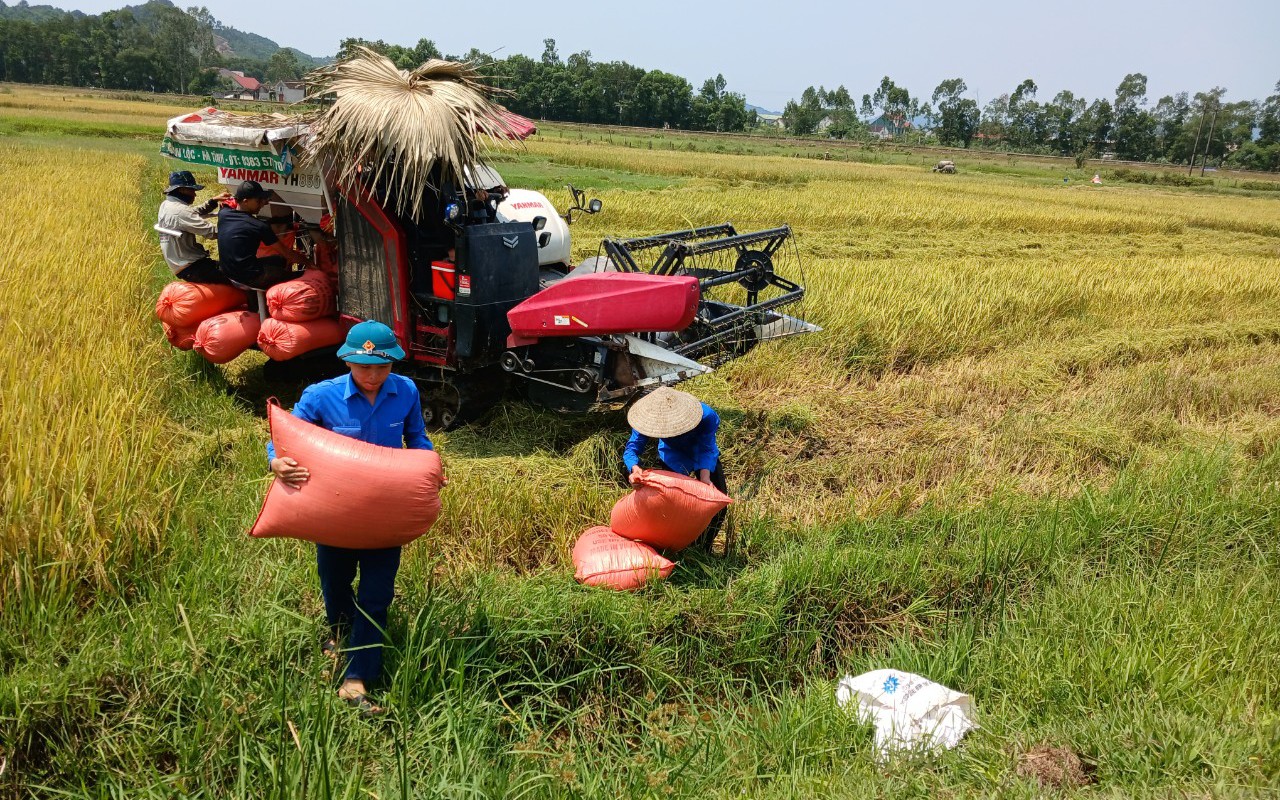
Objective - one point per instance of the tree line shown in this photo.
(578, 89)
(156, 47)
(159, 47)
(1127, 126)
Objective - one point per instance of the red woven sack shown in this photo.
(359, 495)
(605, 559)
(181, 338)
(220, 339)
(667, 510)
(282, 341)
(301, 299)
(185, 305)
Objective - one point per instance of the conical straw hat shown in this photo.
(664, 413)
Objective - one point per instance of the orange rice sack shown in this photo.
(605, 559)
(181, 338)
(282, 340)
(220, 339)
(185, 305)
(326, 258)
(309, 297)
(286, 238)
(667, 510)
(359, 495)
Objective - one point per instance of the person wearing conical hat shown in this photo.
(685, 429)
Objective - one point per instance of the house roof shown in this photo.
(886, 121)
(246, 82)
(294, 84)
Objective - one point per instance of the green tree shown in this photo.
(1171, 114)
(283, 66)
(1060, 123)
(1236, 123)
(894, 101)
(1026, 118)
(402, 57)
(1093, 128)
(1135, 126)
(176, 46)
(957, 116)
(802, 118)
(204, 83)
(549, 54)
(1269, 119)
(994, 123)
(663, 99)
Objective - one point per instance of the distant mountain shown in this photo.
(762, 111)
(232, 42)
(30, 13)
(229, 41)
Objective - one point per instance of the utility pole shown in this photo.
(1208, 142)
(1195, 148)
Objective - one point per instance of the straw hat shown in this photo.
(665, 413)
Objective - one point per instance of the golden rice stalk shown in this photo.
(394, 126)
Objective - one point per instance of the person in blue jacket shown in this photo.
(373, 405)
(685, 428)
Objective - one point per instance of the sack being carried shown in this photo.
(603, 558)
(667, 510)
(359, 495)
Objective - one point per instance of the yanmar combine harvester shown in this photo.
(510, 310)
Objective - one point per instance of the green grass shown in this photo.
(1158, 594)
(529, 171)
(21, 125)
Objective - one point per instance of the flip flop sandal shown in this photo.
(330, 648)
(364, 705)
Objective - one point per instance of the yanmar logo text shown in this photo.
(527, 204)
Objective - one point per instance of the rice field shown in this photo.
(1031, 456)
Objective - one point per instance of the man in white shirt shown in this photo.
(179, 224)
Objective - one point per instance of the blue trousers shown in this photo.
(361, 613)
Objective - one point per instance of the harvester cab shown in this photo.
(477, 280)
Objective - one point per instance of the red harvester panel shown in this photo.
(607, 302)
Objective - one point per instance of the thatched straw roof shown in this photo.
(395, 125)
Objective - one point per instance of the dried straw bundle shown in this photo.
(394, 125)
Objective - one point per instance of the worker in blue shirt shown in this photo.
(373, 405)
(685, 428)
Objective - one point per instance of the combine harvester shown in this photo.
(510, 310)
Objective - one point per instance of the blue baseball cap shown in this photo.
(370, 342)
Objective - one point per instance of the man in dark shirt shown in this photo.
(240, 231)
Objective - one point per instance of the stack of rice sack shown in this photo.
(208, 318)
(665, 510)
(304, 317)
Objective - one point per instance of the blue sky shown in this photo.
(770, 51)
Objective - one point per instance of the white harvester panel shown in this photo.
(522, 205)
